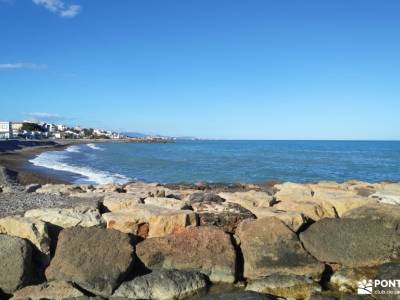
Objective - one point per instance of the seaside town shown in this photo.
(32, 130)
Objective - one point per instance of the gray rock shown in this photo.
(16, 268)
(97, 259)
(352, 242)
(67, 217)
(204, 196)
(246, 295)
(287, 286)
(162, 285)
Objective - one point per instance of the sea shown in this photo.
(223, 161)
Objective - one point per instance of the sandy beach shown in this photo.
(16, 156)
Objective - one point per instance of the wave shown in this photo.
(94, 147)
(55, 160)
(74, 148)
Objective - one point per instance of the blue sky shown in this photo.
(257, 69)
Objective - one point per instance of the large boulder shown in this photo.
(225, 215)
(387, 212)
(150, 221)
(333, 198)
(289, 191)
(54, 290)
(16, 269)
(208, 250)
(243, 295)
(118, 201)
(96, 259)
(67, 217)
(31, 229)
(250, 199)
(292, 219)
(341, 200)
(287, 286)
(270, 247)
(162, 285)
(352, 242)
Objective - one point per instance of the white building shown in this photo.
(61, 127)
(16, 128)
(5, 130)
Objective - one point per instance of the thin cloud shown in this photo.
(15, 66)
(60, 8)
(46, 117)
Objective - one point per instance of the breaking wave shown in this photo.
(56, 160)
(94, 147)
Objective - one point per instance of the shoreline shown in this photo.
(17, 160)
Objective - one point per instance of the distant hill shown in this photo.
(134, 134)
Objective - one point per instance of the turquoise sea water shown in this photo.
(225, 161)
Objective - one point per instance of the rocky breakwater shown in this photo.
(149, 241)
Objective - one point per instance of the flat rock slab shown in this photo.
(352, 242)
(170, 203)
(150, 221)
(55, 290)
(287, 286)
(270, 247)
(245, 295)
(162, 285)
(96, 259)
(67, 217)
(118, 201)
(249, 199)
(208, 250)
(15, 263)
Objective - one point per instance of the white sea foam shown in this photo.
(55, 160)
(94, 147)
(73, 148)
